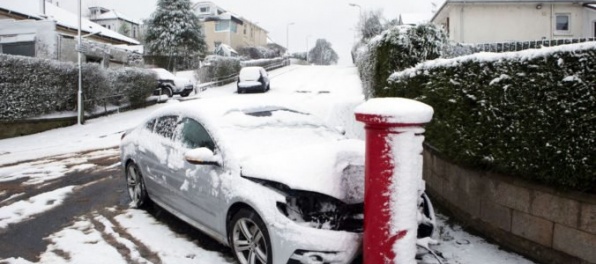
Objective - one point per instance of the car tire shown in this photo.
(240, 91)
(249, 238)
(264, 88)
(426, 229)
(135, 184)
(184, 94)
(268, 87)
(169, 91)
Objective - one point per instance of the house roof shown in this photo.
(506, 1)
(113, 14)
(415, 18)
(29, 9)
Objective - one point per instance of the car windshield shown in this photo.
(262, 131)
(250, 74)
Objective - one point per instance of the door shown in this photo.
(197, 185)
(156, 150)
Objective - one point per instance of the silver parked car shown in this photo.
(274, 184)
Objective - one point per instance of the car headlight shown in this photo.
(322, 212)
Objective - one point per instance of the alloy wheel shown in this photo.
(250, 245)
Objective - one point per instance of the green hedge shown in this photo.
(530, 113)
(396, 49)
(32, 87)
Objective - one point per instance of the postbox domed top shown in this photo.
(395, 111)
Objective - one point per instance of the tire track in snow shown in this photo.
(133, 250)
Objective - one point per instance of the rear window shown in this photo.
(250, 74)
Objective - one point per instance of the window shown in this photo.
(234, 27)
(149, 125)
(165, 126)
(562, 21)
(222, 25)
(193, 135)
(18, 48)
(204, 9)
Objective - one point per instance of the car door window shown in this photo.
(150, 124)
(193, 135)
(165, 126)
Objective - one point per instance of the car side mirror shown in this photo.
(202, 156)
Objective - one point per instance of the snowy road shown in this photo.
(63, 200)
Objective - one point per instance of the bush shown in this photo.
(254, 53)
(396, 49)
(32, 87)
(528, 113)
(217, 68)
(134, 83)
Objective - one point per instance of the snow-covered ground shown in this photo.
(103, 236)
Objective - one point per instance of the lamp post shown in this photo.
(288, 36)
(80, 92)
(359, 7)
(307, 37)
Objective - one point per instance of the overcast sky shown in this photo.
(333, 20)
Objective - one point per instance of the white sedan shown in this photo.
(274, 184)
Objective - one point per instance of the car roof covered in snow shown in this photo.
(247, 127)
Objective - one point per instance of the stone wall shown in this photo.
(10, 129)
(544, 224)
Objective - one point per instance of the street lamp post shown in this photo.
(288, 36)
(80, 92)
(359, 7)
(307, 37)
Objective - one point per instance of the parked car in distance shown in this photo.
(275, 184)
(253, 79)
(170, 84)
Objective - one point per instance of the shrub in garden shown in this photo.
(396, 49)
(32, 87)
(528, 113)
(217, 68)
(134, 83)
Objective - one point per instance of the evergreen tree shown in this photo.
(174, 30)
(322, 53)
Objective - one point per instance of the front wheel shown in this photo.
(168, 90)
(249, 238)
(136, 186)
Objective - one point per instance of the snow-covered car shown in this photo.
(274, 184)
(253, 79)
(170, 84)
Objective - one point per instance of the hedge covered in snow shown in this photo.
(529, 113)
(32, 87)
(217, 68)
(396, 49)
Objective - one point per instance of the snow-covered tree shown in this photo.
(174, 30)
(322, 53)
(370, 24)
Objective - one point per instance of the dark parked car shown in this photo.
(170, 84)
(253, 79)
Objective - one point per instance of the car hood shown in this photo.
(335, 169)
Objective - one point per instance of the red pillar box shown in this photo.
(394, 128)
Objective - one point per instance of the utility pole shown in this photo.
(288, 36)
(80, 92)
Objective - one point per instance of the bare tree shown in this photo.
(322, 53)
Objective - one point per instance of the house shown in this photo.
(413, 18)
(223, 27)
(116, 21)
(39, 29)
(488, 21)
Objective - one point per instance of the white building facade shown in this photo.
(489, 21)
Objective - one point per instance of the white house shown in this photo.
(116, 21)
(34, 28)
(488, 21)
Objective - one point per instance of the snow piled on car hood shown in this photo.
(322, 168)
